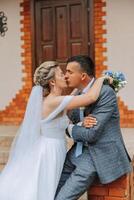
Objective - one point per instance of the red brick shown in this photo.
(100, 190)
(118, 192)
(115, 198)
(96, 198)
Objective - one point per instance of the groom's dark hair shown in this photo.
(85, 62)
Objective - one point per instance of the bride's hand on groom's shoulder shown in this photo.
(108, 79)
(89, 121)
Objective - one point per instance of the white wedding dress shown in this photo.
(35, 175)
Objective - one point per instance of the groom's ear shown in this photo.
(83, 76)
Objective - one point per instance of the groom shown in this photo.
(98, 151)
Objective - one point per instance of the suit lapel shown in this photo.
(88, 109)
(74, 114)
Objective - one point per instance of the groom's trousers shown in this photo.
(77, 176)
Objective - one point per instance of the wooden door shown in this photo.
(61, 29)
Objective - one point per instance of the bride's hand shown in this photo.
(108, 78)
(89, 121)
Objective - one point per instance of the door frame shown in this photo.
(90, 30)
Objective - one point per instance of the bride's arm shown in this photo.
(90, 97)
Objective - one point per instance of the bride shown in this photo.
(39, 149)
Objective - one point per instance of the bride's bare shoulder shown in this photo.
(50, 104)
(53, 101)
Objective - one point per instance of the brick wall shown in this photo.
(14, 112)
(127, 116)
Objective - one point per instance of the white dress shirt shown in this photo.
(70, 127)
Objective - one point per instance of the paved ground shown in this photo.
(128, 135)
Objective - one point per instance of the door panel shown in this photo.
(47, 25)
(75, 21)
(61, 33)
(61, 29)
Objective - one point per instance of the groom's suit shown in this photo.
(105, 155)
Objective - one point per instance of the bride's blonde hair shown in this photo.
(44, 73)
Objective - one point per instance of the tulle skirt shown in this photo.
(34, 176)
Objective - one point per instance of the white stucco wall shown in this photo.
(120, 43)
(10, 53)
(120, 48)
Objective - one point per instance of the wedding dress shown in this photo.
(34, 170)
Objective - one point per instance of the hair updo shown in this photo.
(44, 73)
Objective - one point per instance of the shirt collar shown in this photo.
(88, 86)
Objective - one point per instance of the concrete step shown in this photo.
(1, 167)
(4, 157)
(5, 145)
(6, 141)
(84, 196)
(7, 134)
(8, 130)
(4, 148)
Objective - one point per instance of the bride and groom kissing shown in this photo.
(39, 167)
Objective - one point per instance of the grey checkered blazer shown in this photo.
(106, 146)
